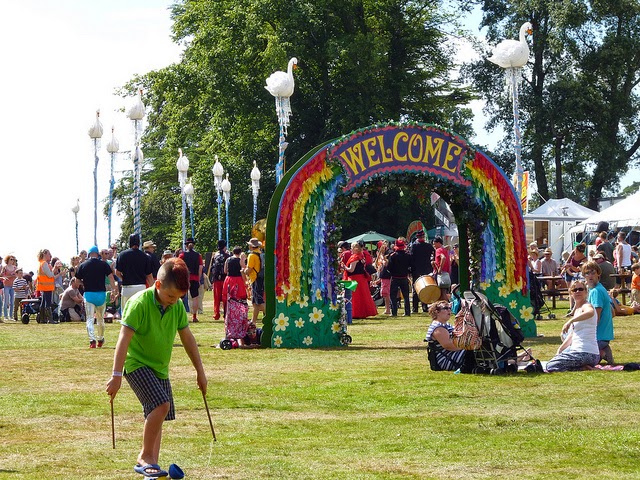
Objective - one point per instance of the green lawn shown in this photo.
(372, 410)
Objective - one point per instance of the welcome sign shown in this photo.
(390, 149)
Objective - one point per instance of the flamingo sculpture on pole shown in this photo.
(512, 55)
(281, 86)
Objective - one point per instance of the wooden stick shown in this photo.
(206, 406)
(113, 426)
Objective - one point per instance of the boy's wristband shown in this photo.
(116, 374)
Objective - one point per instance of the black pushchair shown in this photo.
(376, 289)
(500, 332)
(537, 298)
(28, 307)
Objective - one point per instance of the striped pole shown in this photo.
(514, 74)
(95, 191)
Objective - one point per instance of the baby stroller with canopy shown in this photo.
(500, 333)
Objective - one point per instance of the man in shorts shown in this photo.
(255, 273)
(150, 321)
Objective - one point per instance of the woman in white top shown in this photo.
(580, 347)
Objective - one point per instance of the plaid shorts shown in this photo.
(151, 391)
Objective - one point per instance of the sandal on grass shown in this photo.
(150, 470)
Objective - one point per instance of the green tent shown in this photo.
(371, 237)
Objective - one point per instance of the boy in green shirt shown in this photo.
(150, 321)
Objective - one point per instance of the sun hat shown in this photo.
(254, 243)
(148, 243)
(548, 250)
(167, 252)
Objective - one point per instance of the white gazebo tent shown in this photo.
(624, 214)
(549, 224)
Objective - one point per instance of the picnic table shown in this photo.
(554, 292)
(623, 284)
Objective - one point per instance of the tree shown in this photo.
(361, 62)
(579, 100)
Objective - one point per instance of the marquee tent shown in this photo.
(549, 223)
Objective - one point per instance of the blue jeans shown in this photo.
(9, 297)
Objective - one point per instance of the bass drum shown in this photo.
(427, 289)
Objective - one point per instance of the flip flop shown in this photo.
(143, 470)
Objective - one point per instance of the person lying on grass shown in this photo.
(143, 352)
(620, 310)
(580, 347)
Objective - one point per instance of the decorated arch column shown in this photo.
(300, 281)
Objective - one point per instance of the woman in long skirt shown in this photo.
(362, 301)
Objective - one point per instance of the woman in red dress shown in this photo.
(362, 301)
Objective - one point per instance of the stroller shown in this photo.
(537, 298)
(500, 333)
(31, 306)
(376, 288)
(345, 338)
(28, 307)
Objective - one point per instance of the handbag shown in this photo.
(444, 280)
(465, 331)
(370, 268)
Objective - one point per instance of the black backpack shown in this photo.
(217, 272)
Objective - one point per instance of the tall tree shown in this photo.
(361, 62)
(579, 102)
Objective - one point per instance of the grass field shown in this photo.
(373, 410)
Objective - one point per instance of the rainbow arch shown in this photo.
(302, 303)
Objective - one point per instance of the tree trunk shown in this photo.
(558, 161)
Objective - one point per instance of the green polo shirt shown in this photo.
(155, 331)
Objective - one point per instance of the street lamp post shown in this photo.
(136, 114)
(226, 191)
(183, 167)
(112, 147)
(218, 175)
(188, 192)
(75, 209)
(95, 132)
(255, 188)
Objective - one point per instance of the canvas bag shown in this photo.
(465, 330)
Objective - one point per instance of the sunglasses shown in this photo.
(578, 289)
(444, 308)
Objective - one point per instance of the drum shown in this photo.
(427, 289)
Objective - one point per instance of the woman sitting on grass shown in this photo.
(443, 354)
(580, 347)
